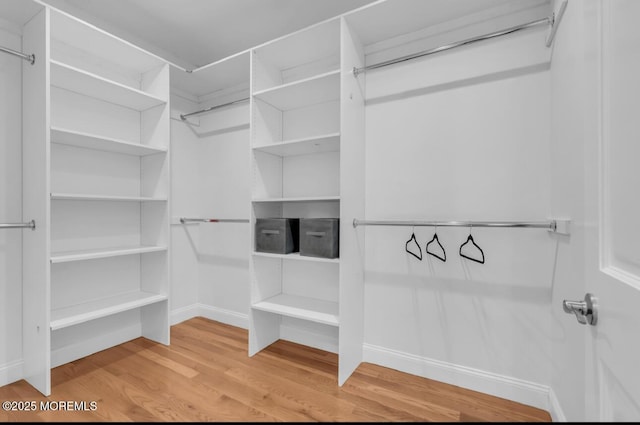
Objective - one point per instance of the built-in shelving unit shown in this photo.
(301, 102)
(96, 125)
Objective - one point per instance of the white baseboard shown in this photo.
(184, 313)
(229, 317)
(555, 410)
(11, 372)
(514, 389)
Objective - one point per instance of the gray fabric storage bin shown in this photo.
(277, 235)
(320, 237)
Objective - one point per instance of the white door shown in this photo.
(613, 210)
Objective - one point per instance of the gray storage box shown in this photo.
(320, 237)
(277, 235)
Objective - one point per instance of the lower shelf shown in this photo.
(80, 313)
(311, 309)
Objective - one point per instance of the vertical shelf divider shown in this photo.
(352, 192)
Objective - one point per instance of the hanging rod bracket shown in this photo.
(555, 22)
(561, 227)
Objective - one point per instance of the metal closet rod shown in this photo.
(30, 58)
(30, 225)
(551, 20)
(185, 220)
(202, 111)
(549, 225)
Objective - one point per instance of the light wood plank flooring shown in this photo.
(206, 375)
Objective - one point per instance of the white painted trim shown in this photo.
(11, 372)
(229, 317)
(555, 410)
(184, 313)
(518, 390)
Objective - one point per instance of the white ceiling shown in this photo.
(192, 33)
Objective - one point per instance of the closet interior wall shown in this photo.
(210, 180)
(10, 205)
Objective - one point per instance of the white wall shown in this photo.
(184, 202)
(210, 264)
(225, 192)
(10, 210)
(462, 136)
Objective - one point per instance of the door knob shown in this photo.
(585, 311)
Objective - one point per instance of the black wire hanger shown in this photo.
(413, 238)
(470, 239)
(436, 240)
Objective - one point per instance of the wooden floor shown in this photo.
(206, 375)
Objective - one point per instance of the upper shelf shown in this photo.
(93, 254)
(301, 48)
(310, 91)
(82, 82)
(90, 141)
(99, 46)
(226, 74)
(91, 197)
(305, 146)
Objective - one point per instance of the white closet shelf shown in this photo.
(310, 91)
(96, 309)
(78, 81)
(92, 254)
(89, 197)
(300, 199)
(91, 141)
(99, 45)
(311, 309)
(297, 256)
(304, 146)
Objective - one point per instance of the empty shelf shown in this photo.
(319, 311)
(308, 145)
(310, 91)
(88, 84)
(297, 256)
(300, 199)
(80, 313)
(92, 254)
(87, 197)
(91, 141)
